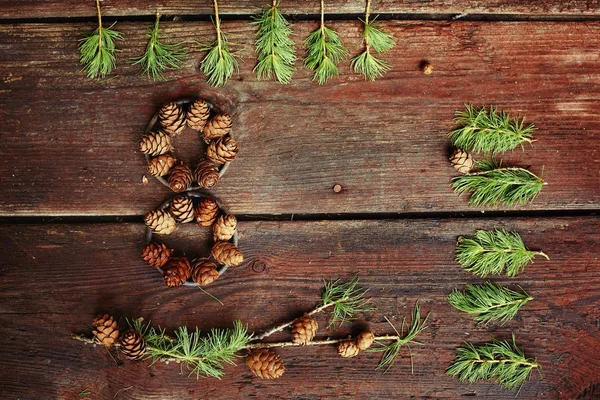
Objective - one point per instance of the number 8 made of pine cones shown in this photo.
(178, 269)
(158, 142)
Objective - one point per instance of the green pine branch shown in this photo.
(324, 50)
(97, 50)
(492, 252)
(499, 360)
(160, 57)
(489, 301)
(274, 46)
(346, 299)
(490, 131)
(219, 63)
(494, 185)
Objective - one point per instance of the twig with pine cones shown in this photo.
(207, 355)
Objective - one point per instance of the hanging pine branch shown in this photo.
(377, 40)
(499, 360)
(274, 46)
(496, 185)
(97, 50)
(490, 131)
(324, 50)
(489, 301)
(160, 57)
(219, 63)
(492, 252)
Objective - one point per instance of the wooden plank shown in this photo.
(73, 8)
(384, 142)
(55, 278)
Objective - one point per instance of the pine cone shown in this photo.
(160, 222)
(180, 178)
(172, 118)
(177, 271)
(182, 208)
(462, 161)
(348, 349)
(161, 165)
(265, 364)
(198, 114)
(207, 211)
(204, 272)
(133, 344)
(224, 227)
(156, 143)
(365, 340)
(207, 174)
(226, 253)
(156, 254)
(304, 329)
(222, 150)
(218, 126)
(105, 329)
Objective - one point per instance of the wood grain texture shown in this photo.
(69, 144)
(55, 278)
(74, 8)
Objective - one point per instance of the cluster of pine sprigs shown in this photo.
(276, 54)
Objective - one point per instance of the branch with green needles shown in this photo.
(219, 63)
(97, 50)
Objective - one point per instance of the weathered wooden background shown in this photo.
(72, 197)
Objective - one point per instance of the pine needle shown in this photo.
(159, 56)
(347, 301)
(97, 50)
(274, 46)
(495, 185)
(492, 252)
(490, 131)
(489, 301)
(500, 360)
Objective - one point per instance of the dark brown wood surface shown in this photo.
(57, 276)
(69, 144)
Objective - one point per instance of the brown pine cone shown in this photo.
(161, 165)
(177, 271)
(218, 126)
(462, 161)
(265, 364)
(180, 178)
(133, 345)
(160, 222)
(105, 329)
(226, 253)
(156, 143)
(207, 174)
(222, 150)
(182, 208)
(156, 254)
(172, 118)
(198, 114)
(207, 211)
(304, 329)
(224, 227)
(204, 272)
(348, 349)
(365, 340)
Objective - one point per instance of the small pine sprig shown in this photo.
(496, 185)
(97, 50)
(380, 41)
(499, 360)
(274, 46)
(489, 301)
(346, 299)
(159, 56)
(219, 63)
(490, 131)
(324, 50)
(492, 252)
